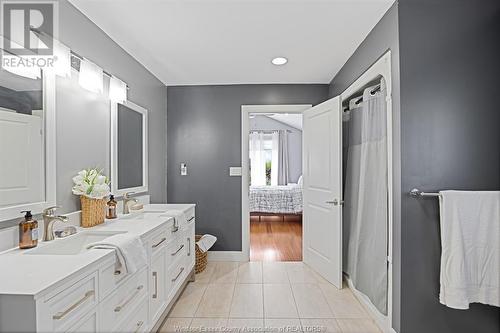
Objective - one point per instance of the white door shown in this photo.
(322, 164)
(21, 171)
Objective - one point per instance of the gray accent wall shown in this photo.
(445, 71)
(382, 38)
(83, 118)
(294, 143)
(204, 130)
(450, 139)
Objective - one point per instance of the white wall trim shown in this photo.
(227, 256)
(382, 68)
(246, 110)
(49, 130)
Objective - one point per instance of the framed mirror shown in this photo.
(27, 144)
(129, 148)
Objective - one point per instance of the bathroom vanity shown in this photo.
(60, 286)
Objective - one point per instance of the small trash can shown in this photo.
(201, 257)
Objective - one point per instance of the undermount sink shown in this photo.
(72, 245)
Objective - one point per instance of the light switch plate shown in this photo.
(234, 171)
(184, 169)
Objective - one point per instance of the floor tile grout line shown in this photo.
(201, 299)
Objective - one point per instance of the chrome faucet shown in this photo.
(49, 218)
(126, 200)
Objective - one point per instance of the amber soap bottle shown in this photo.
(28, 231)
(111, 208)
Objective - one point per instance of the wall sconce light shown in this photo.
(91, 76)
(117, 90)
(62, 65)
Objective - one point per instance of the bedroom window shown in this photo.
(261, 155)
(268, 153)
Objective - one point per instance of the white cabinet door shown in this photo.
(322, 168)
(157, 298)
(190, 245)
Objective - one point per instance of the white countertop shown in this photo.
(27, 274)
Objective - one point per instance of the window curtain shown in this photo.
(257, 160)
(365, 197)
(279, 162)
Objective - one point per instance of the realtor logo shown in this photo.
(21, 21)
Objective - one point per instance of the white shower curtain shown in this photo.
(279, 161)
(257, 159)
(365, 197)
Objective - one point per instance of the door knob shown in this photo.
(335, 202)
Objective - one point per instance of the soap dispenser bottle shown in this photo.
(111, 208)
(28, 231)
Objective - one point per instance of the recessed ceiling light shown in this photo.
(279, 61)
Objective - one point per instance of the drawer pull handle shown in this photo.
(189, 246)
(159, 243)
(139, 325)
(117, 272)
(175, 228)
(137, 290)
(180, 248)
(192, 218)
(62, 314)
(155, 276)
(178, 274)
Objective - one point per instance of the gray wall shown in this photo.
(204, 130)
(450, 139)
(383, 37)
(294, 143)
(80, 112)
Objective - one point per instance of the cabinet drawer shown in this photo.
(86, 325)
(120, 303)
(175, 250)
(160, 239)
(190, 215)
(109, 279)
(138, 321)
(175, 276)
(71, 304)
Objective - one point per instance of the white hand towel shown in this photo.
(206, 242)
(470, 239)
(178, 215)
(130, 252)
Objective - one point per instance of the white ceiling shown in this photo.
(291, 119)
(187, 42)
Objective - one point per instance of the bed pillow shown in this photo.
(300, 182)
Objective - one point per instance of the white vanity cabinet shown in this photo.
(97, 298)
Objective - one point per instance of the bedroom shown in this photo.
(275, 191)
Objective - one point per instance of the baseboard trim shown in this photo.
(226, 256)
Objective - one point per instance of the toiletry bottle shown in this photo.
(28, 231)
(111, 208)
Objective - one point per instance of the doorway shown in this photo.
(272, 182)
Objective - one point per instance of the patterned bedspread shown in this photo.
(276, 199)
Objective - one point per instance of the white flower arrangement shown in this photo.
(91, 183)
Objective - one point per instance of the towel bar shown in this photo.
(417, 193)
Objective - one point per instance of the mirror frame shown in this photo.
(49, 128)
(114, 149)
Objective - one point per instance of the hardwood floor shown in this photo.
(273, 239)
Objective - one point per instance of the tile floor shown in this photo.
(266, 297)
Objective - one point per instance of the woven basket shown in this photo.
(201, 258)
(93, 211)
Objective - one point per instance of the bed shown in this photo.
(275, 200)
